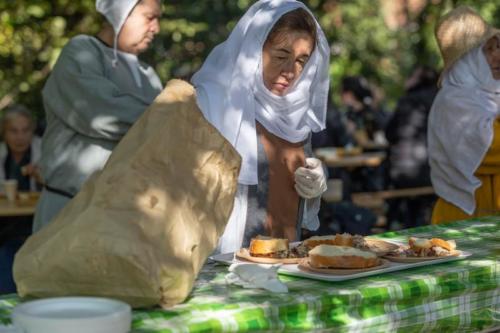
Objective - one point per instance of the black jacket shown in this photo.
(407, 136)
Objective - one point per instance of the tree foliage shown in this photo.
(363, 39)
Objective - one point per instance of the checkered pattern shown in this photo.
(459, 296)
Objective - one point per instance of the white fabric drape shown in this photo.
(232, 96)
(232, 237)
(461, 128)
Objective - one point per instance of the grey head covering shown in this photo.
(116, 12)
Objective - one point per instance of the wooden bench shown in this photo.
(374, 200)
(392, 194)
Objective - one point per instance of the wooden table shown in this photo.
(333, 160)
(25, 205)
(372, 145)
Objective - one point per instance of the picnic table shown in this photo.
(24, 205)
(458, 296)
(332, 159)
(371, 145)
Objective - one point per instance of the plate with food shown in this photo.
(301, 264)
(269, 250)
(377, 246)
(423, 249)
(341, 260)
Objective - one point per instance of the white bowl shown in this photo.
(73, 314)
(9, 329)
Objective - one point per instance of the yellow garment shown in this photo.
(487, 195)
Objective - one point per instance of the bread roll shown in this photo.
(331, 256)
(318, 240)
(447, 245)
(344, 239)
(263, 246)
(419, 243)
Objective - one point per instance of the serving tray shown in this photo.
(294, 270)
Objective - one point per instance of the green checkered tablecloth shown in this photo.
(460, 296)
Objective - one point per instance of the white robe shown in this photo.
(461, 128)
(232, 96)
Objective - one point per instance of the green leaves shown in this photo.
(371, 38)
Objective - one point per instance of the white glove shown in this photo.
(310, 182)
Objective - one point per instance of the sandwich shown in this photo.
(422, 247)
(269, 247)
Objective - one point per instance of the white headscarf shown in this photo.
(116, 12)
(461, 128)
(232, 95)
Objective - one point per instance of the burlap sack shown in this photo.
(141, 229)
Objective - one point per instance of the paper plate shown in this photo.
(419, 259)
(243, 254)
(306, 266)
(73, 314)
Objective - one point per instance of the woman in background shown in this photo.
(464, 125)
(19, 154)
(20, 149)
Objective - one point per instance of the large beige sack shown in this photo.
(141, 229)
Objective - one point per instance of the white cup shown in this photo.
(10, 188)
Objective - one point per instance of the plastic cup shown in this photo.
(10, 188)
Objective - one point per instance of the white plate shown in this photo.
(73, 314)
(392, 267)
(228, 258)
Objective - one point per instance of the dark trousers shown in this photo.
(344, 217)
(411, 212)
(13, 233)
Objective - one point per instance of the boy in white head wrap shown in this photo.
(265, 89)
(464, 126)
(96, 91)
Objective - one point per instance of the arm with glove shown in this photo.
(310, 184)
(310, 181)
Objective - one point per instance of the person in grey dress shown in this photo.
(96, 91)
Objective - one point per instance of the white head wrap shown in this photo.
(232, 95)
(461, 128)
(116, 12)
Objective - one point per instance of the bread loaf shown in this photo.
(447, 245)
(331, 256)
(419, 243)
